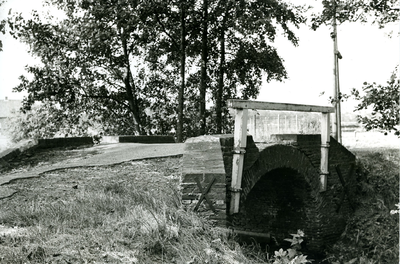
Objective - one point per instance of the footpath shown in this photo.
(100, 155)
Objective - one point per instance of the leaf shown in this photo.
(300, 259)
(291, 253)
(354, 260)
(281, 253)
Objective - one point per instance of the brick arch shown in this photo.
(279, 204)
(276, 157)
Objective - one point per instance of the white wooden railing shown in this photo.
(240, 138)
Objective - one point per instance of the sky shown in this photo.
(369, 55)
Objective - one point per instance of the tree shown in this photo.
(240, 36)
(2, 27)
(380, 12)
(119, 60)
(47, 120)
(87, 60)
(203, 54)
(204, 62)
(384, 103)
(179, 130)
(167, 47)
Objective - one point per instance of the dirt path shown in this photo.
(99, 155)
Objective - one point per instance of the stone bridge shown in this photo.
(280, 187)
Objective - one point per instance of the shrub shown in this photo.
(46, 121)
(372, 234)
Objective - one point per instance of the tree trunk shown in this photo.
(218, 103)
(130, 89)
(179, 132)
(203, 80)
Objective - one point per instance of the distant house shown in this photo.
(7, 109)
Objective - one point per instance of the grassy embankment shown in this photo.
(372, 234)
(128, 213)
(131, 213)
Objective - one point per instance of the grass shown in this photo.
(131, 213)
(372, 234)
(127, 213)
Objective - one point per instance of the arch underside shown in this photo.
(278, 157)
(280, 195)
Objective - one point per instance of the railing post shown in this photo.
(239, 148)
(325, 139)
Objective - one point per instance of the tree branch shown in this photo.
(106, 97)
(166, 32)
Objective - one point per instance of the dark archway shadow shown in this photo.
(279, 204)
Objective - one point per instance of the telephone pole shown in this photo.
(336, 120)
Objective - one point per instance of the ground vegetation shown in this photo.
(132, 212)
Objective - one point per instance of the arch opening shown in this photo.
(279, 204)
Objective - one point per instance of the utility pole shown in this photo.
(336, 120)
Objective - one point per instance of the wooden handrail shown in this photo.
(246, 104)
(240, 137)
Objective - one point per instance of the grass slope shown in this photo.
(372, 234)
(127, 213)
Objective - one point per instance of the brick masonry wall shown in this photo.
(280, 186)
(276, 176)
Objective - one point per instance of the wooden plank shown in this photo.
(253, 234)
(325, 139)
(204, 195)
(248, 233)
(246, 104)
(239, 146)
(345, 187)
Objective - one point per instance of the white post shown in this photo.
(239, 146)
(325, 139)
(279, 124)
(255, 126)
(286, 125)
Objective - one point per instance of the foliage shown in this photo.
(372, 234)
(86, 60)
(293, 254)
(48, 120)
(124, 67)
(380, 12)
(384, 103)
(2, 27)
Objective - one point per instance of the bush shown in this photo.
(372, 234)
(46, 121)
